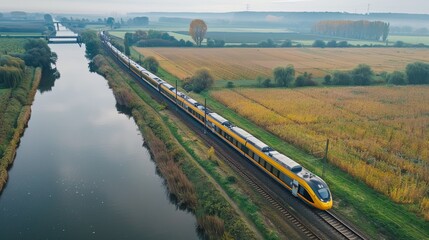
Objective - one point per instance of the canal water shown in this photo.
(81, 171)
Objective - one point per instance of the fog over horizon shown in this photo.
(127, 6)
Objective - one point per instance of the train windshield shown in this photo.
(320, 188)
(324, 194)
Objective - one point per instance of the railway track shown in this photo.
(341, 229)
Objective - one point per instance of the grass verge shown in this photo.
(15, 112)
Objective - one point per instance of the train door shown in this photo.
(295, 187)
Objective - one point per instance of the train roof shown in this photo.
(258, 144)
(240, 132)
(191, 101)
(180, 94)
(218, 118)
(285, 161)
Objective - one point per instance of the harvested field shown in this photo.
(248, 63)
(378, 134)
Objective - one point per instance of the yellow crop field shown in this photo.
(249, 63)
(377, 134)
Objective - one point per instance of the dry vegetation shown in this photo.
(248, 63)
(378, 134)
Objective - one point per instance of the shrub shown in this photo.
(212, 226)
(327, 80)
(417, 73)
(319, 44)
(201, 80)
(332, 44)
(305, 79)
(342, 78)
(362, 75)
(287, 43)
(151, 64)
(397, 78)
(230, 85)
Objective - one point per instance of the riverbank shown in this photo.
(191, 188)
(15, 112)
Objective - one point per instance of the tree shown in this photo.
(287, 43)
(151, 64)
(210, 42)
(48, 18)
(327, 80)
(342, 78)
(319, 43)
(110, 21)
(417, 73)
(201, 80)
(362, 75)
(38, 54)
(342, 44)
(143, 21)
(397, 78)
(11, 71)
(331, 44)
(305, 79)
(92, 48)
(198, 30)
(284, 76)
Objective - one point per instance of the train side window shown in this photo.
(244, 149)
(262, 162)
(257, 158)
(276, 172)
(266, 165)
(305, 194)
(251, 154)
(285, 179)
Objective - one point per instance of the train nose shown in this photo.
(326, 205)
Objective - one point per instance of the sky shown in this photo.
(124, 6)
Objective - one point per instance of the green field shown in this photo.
(12, 45)
(409, 39)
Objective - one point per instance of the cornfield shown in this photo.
(378, 134)
(249, 63)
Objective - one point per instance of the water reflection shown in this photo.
(123, 110)
(48, 79)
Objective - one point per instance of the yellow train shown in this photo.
(301, 182)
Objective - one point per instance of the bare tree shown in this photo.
(197, 30)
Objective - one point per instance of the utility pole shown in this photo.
(325, 158)
(205, 115)
(176, 96)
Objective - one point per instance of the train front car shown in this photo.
(321, 194)
(318, 194)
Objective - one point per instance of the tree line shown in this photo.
(361, 75)
(367, 30)
(153, 38)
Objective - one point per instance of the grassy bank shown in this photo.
(186, 183)
(15, 112)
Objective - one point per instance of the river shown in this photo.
(81, 171)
